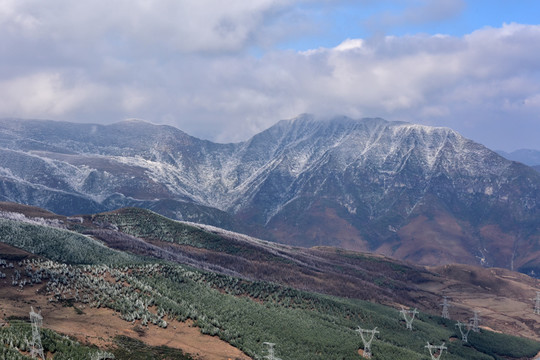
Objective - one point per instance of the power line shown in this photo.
(367, 341)
(436, 351)
(271, 355)
(36, 349)
(408, 315)
(464, 334)
(474, 321)
(445, 304)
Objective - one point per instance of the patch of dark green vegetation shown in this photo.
(59, 245)
(384, 262)
(500, 346)
(132, 349)
(307, 325)
(151, 226)
(16, 337)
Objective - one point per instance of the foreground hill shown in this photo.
(412, 192)
(160, 276)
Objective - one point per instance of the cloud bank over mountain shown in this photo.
(220, 71)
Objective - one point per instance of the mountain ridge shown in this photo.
(366, 184)
(530, 157)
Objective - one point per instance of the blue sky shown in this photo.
(350, 19)
(224, 71)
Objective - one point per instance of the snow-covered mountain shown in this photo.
(414, 192)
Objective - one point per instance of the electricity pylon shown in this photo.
(101, 355)
(474, 322)
(438, 350)
(270, 355)
(464, 334)
(445, 305)
(408, 320)
(367, 341)
(36, 349)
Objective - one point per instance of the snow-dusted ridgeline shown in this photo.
(306, 181)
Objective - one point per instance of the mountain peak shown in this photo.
(135, 121)
(415, 192)
(305, 121)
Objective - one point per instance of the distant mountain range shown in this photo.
(413, 192)
(527, 156)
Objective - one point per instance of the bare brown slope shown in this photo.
(431, 236)
(30, 211)
(503, 298)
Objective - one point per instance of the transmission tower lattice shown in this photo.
(36, 349)
(435, 351)
(464, 334)
(271, 355)
(474, 321)
(101, 355)
(367, 341)
(408, 315)
(537, 303)
(445, 305)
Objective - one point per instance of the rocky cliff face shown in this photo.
(414, 192)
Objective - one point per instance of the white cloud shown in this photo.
(186, 63)
(477, 84)
(532, 101)
(46, 95)
(172, 25)
(350, 44)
